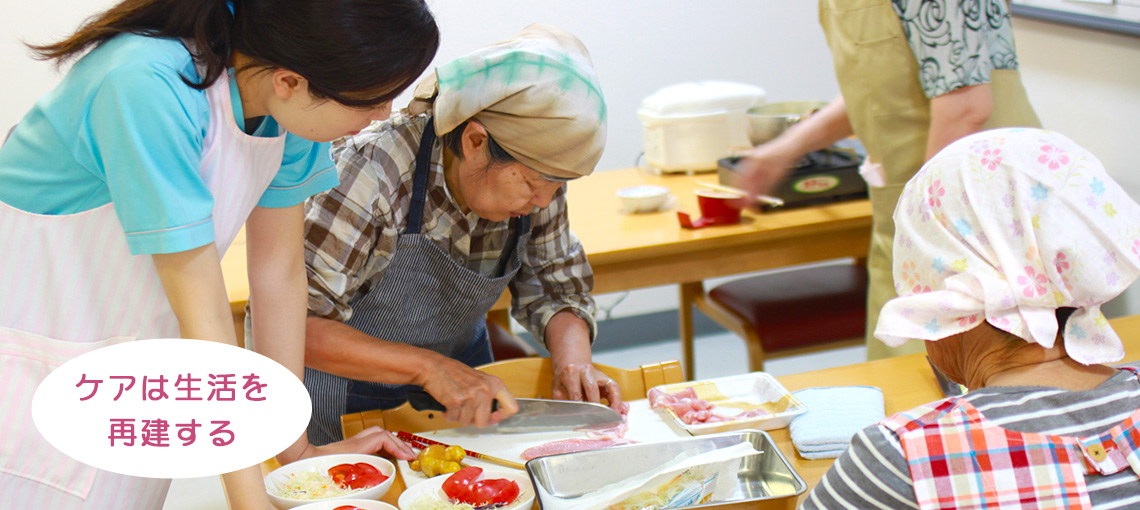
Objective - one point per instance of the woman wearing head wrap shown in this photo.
(423, 234)
(1007, 243)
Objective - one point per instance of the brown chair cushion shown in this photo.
(505, 345)
(800, 308)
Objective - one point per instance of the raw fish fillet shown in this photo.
(570, 445)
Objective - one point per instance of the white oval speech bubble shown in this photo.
(153, 393)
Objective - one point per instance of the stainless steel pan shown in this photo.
(766, 122)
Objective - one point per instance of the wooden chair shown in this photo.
(525, 378)
(505, 345)
(783, 313)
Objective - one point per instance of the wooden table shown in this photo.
(906, 381)
(629, 251)
(632, 251)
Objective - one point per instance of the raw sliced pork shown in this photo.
(571, 445)
(691, 409)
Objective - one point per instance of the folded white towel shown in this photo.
(828, 454)
(833, 416)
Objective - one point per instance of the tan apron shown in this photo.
(878, 77)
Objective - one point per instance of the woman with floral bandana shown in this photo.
(1016, 237)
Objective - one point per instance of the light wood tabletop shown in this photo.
(629, 251)
(906, 381)
(632, 251)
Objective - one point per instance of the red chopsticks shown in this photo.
(423, 442)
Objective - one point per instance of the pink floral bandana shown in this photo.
(1007, 226)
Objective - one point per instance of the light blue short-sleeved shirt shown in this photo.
(123, 127)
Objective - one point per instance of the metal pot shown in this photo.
(767, 121)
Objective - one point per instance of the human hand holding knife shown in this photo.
(536, 415)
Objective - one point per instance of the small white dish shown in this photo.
(322, 464)
(362, 504)
(641, 199)
(433, 487)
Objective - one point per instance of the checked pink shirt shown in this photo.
(958, 459)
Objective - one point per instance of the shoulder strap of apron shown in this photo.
(519, 226)
(420, 181)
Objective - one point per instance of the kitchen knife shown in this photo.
(536, 414)
(949, 388)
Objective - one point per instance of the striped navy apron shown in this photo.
(424, 299)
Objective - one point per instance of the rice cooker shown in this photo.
(689, 126)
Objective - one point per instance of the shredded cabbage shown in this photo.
(312, 484)
(429, 502)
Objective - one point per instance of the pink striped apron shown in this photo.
(70, 285)
(958, 459)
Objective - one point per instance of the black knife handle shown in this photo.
(423, 401)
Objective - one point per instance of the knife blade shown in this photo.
(536, 414)
(949, 388)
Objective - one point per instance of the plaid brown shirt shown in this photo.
(351, 231)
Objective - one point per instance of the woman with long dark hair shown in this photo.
(179, 122)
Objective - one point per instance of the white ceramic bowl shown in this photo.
(433, 487)
(362, 504)
(643, 198)
(322, 464)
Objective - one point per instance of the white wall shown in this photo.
(1086, 84)
(638, 46)
(25, 80)
(1083, 83)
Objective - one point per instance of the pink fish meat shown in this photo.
(571, 445)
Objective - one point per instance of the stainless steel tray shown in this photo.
(766, 481)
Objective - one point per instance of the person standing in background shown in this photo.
(914, 75)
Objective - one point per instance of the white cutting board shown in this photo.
(646, 425)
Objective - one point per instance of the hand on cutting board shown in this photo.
(467, 393)
(582, 381)
(575, 377)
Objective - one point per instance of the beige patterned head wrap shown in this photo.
(536, 93)
(1006, 226)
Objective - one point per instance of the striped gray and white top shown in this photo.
(873, 474)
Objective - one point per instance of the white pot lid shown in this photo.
(701, 98)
